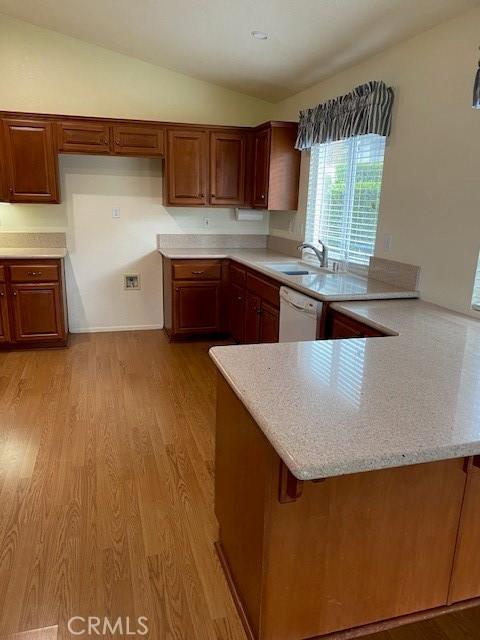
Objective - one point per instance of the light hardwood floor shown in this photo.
(106, 492)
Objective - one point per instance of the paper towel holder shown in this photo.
(248, 215)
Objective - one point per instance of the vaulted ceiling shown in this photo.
(308, 40)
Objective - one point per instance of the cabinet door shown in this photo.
(227, 168)
(466, 569)
(196, 307)
(138, 141)
(3, 170)
(187, 168)
(343, 327)
(84, 137)
(261, 160)
(37, 312)
(237, 313)
(31, 161)
(269, 323)
(4, 323)
(253, 309)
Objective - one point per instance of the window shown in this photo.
(344, 196)
(476, 289)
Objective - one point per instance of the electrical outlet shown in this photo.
(116, 212)
(206, 222)
(387, 241)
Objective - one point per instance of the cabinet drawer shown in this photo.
(264, 288)
(190, 270)
(238, 275)
(34, 273)
(2, 273)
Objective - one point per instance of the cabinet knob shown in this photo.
(10, 190)
(105, 141)
(262, 196)
(117, 141)
(239, 298)
(14, 293)
(201, 195)
(259, 312)
(2, 294)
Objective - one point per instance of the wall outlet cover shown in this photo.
(131, 281)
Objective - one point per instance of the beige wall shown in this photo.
(431, 189)
(44, 71)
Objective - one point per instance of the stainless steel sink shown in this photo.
(296, 268)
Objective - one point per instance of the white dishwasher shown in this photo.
(298, 316)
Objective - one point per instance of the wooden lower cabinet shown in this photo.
(343, 552)
(32, 304)
(237, 312)
(37, 312)
(4, 322)
(269, 323)
(466, 569)
(196, 307)
(339, 326)
(217, 297)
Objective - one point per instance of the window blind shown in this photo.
(344, 196)
(476, 289)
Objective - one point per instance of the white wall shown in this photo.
(431, 188)
(102, 249)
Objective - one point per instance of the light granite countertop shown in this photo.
(322, 286)
(29, 252)
(337, 407)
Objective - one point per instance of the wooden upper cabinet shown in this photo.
(3, 171)
(227, 168)
(138, 141)
(276, 169)
(83, 137)
(187, 168)
(31, 161)
(260, 172)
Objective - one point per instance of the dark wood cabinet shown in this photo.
(32, 303)
(227, 168)
(186, 174)
(4, 322)
(276, 167)
(253, 309)
(260, 168)
(83, 137)
(339, 326)
(193, 297)
(196, 307)
(37, 312)
(138, 141)
(31, 161)
(210, 166)
(237, 312)
(269, 323)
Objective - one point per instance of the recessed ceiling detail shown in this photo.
(308, 40)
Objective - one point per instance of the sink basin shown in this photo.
(296, 268)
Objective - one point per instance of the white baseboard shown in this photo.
(143, 327)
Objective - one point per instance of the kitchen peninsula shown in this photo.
(348, 489)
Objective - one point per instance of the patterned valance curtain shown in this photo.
(366, 109)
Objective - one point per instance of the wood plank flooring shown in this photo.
(106, 493)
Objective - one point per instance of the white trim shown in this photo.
(142, 327)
